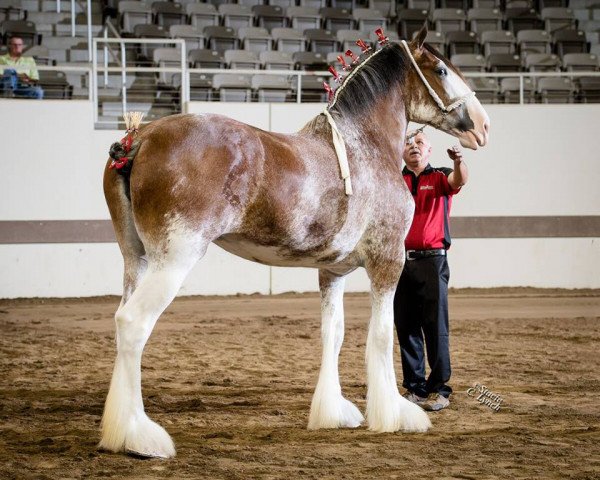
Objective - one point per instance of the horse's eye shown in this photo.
(442, 72)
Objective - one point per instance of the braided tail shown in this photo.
(122, 152)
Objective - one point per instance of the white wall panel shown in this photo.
(525, 262)
(541, 160)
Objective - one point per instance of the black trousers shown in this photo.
(421, 312)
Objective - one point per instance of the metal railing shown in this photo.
(88, 10)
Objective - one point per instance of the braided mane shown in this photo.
(370, 80)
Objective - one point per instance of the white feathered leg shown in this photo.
(125, 425)
(387, 410)
(329, 409)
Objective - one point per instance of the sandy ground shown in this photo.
(231, 379)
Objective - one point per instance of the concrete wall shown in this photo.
(542, 160)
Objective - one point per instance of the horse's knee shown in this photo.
(130, 335)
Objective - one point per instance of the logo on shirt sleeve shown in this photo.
(426, 187)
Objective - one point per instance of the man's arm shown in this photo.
(460, 175)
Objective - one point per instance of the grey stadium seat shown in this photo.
(542, 62)
(462, 42)
(469, 62)
(269, 16)
(320, 40)
(421, 4)
(484, 19)
(580, 62)
(23, 29)
(570, 41)
(202, 15)
(232, 87)
(274, 60)
(385, 7)
(255, 39)
(309, 61)
(221, 38)
(487, 89)
(250, 3)
(149, 31)
(436, 40)
(503, 62)
(556, 90)
(169, 13)
(335, 19)
(518, 19)
(486, 4)
(271, 88)
(410, 21)
(449, 19)
(589, 89)
(134, 13)
(312, 89)
(502, 41)
(368, 19)
(236, 16)
(509, 89)
(558, 18)
(288, 40)
(55, 85)
(303, 18)
(166, 57)
(347, 38)
(534, 41)
(243, 59)
(203, 58)
(193, 36)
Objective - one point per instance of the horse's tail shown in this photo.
(118, 198)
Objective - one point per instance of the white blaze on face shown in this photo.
(455, 87)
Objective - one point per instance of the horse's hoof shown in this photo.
(333, 411)
(395, 414)
(145, 455)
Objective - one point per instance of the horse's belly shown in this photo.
(279, 256)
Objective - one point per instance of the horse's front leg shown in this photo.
(329, 409)
(387, 410)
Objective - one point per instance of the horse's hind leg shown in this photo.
(387, 410)
(329, 409)
(125, 426)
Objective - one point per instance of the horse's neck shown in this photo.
(379, 134)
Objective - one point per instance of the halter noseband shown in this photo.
(446, 109)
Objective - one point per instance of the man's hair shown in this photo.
(413, 133)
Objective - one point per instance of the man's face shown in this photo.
(417, 152)
(15, 46)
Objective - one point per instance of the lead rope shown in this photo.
(340, 150)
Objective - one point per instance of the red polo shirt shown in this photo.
(433, 199)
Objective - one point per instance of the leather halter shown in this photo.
(446, 109)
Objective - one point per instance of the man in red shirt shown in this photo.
(421, 300)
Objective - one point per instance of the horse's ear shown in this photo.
(420, 37)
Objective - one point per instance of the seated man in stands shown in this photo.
(21, 76)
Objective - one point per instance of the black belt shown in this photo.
(416, 254)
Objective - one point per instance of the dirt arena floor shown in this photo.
(231, 379)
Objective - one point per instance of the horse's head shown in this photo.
(441, 97)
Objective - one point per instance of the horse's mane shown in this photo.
(369, 82)
(372, 81)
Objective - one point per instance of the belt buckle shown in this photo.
(408, 255)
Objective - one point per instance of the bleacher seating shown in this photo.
(479, 35)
